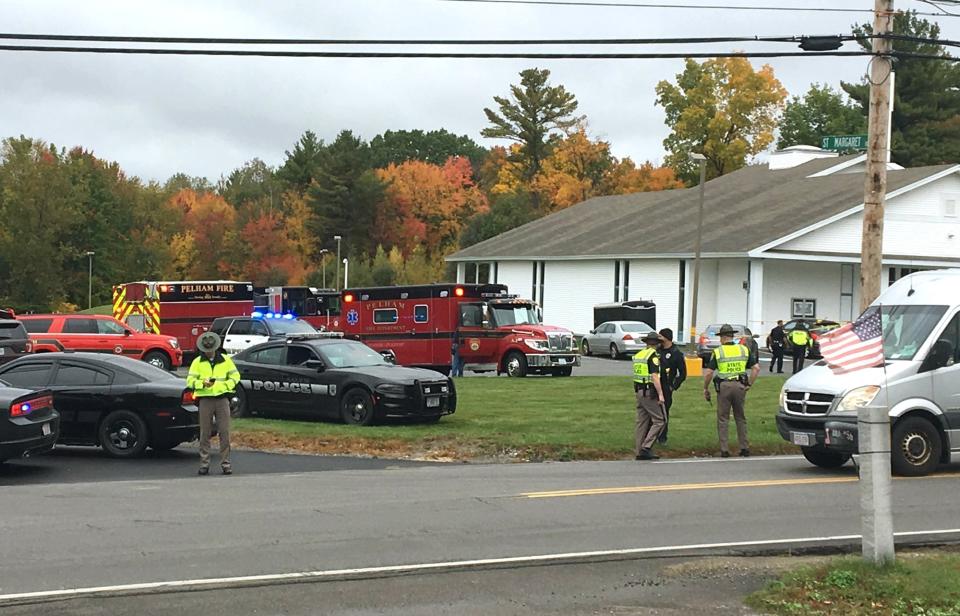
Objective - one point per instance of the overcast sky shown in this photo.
(205, 116)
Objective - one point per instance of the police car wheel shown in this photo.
(357, 408)
(915, 448)
(158, 359)
(824, 458)
(123, 434)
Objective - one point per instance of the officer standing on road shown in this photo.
(736, 369)
(456, 367)
(647, 385)
(777, 341)
(799, 341)
(213, 377)
(673, 373)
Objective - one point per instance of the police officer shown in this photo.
(673, 373)
(213, 377)
(776, 341)
(647, 385)
(733, 370)
(799, 341)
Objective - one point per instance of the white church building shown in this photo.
(780, 240)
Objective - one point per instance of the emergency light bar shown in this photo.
(314, 336)
(256, 314)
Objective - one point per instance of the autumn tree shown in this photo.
(626, 177)
(533, 113)
(822, 111)
(926, 106)
(723, 109)
(271, 254)
(435, 147)
(507, 211)
(252, 189)
(427, 205)
(208, 234)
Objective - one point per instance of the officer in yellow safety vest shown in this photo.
(213, 377)
(733, 370)
(646, 384)
(800, 339)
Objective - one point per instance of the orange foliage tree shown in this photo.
(427, 205)
(208, 239)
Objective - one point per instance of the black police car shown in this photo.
(311, 377)
(28, 422)
(119, 403)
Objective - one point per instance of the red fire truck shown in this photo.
(496, 331)
(183, 309)
(318, 307)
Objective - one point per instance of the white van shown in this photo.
(920, 383)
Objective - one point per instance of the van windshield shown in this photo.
(906, 328)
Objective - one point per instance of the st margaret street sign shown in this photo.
(844, 142)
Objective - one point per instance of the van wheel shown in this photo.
(123, 434)
(158, 359)
(824, 458)
(915, 448)
(357, 408)
(516, 364)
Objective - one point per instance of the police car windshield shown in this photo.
(350, 355)
(515, 314)
(291, 326)
(906, 328)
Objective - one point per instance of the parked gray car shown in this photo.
(615, 338)
(709, 339)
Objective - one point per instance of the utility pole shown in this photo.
(873, 422)
(875, 190)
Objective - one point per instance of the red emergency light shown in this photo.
(458, 291)
(348, 298)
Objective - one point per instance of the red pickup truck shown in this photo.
(100, 334)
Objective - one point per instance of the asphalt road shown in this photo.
(60, 535)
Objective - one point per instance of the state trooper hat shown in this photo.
(727, 330)
(208, 341)
(651, 336)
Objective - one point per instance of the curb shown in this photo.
(800, 546)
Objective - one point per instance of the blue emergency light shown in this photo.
(271, 315)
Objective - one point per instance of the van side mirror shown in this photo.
(940, 356)
(314, 364)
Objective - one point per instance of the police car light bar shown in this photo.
(256, 314)
(314, 336)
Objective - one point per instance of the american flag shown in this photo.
(856, 345)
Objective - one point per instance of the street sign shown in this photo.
(844, 142)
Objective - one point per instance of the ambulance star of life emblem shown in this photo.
(353, 317)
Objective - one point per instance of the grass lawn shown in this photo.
(533, 418)
(916, 585)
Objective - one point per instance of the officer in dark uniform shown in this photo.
(673, 372)
(647, 385)
(777, 341)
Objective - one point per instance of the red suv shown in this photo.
(100, 334)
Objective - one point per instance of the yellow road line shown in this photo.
(681, 487)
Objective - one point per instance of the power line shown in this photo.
(682, 6)
(398, 54)
(290, 41)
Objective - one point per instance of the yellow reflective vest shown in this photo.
(800, 338)
(222, 370)
(641, 368)
(731, 361)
